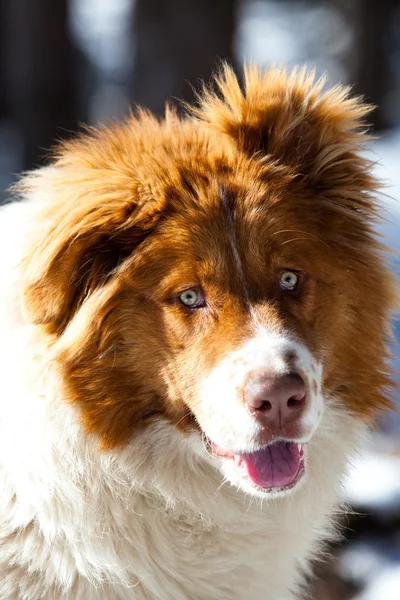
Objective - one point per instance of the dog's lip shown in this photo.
(278, 466)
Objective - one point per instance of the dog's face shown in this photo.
(218, 274)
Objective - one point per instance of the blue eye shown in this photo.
(191, 298)
(289, 280)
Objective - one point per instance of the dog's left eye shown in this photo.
(289, 280)
(192, 298)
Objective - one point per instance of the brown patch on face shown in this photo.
(134, 215)
(110, 374)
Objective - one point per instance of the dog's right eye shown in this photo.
(192, 298)
(289, 280)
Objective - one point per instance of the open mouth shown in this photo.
(276, 467)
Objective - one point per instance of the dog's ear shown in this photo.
(92, 213)
(289, 118)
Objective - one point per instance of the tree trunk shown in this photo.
(368, 59)
(39, 91)
(177, 43)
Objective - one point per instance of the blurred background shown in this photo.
(64, 62)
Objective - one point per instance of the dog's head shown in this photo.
(220, 273)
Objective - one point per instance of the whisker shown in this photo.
(298, 239)
(224, 481)
(181, 419)
(251, 500)
(206, 445)
(305, 233)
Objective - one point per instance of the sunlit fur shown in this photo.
(110, 389)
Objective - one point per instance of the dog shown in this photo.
(193, 341)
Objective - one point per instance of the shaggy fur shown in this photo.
(115, 397)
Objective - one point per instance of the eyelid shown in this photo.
(296, 272)
(290, 269)
(186, 289)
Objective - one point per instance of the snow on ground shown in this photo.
(386, 586)
(374, 484)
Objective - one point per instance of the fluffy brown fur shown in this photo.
(138, 212)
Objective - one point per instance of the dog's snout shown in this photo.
(277, 401)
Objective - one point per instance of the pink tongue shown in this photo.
(276, 465)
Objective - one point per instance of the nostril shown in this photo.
(265, 406)
(259, 405)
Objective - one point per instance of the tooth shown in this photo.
(300, 447)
